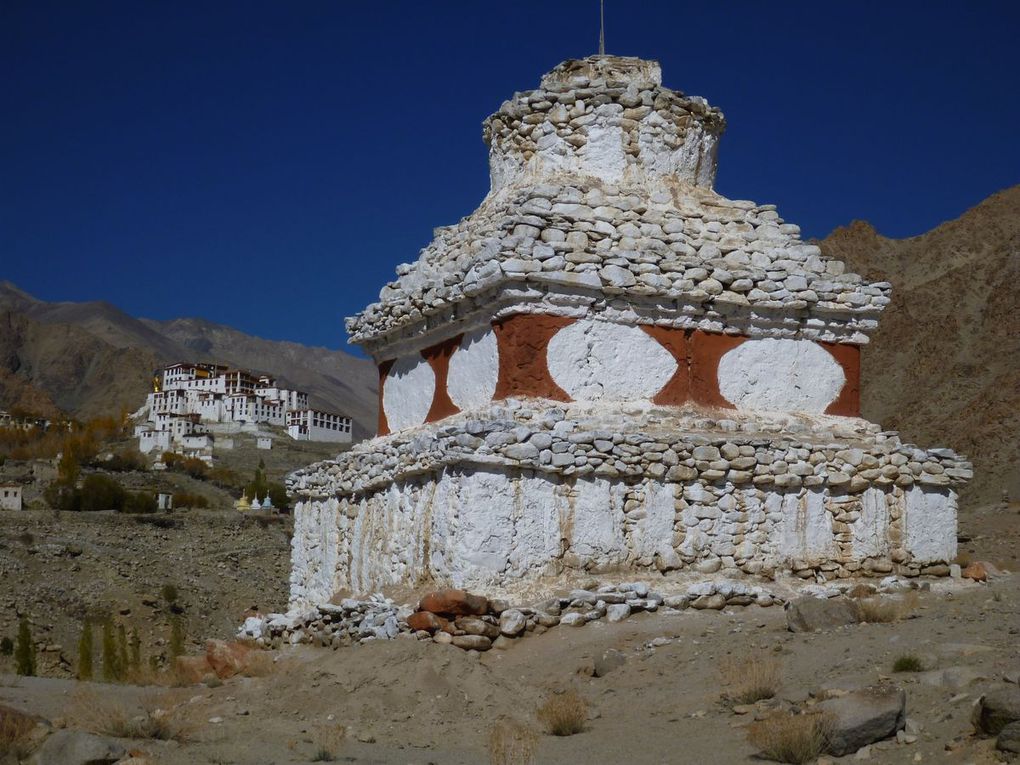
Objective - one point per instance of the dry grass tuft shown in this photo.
(15, 729)
(564, 714)
(259, 664)
(882, 610)
(165, 719)
(791, 737)
(329, 740)
(511, 743)
(750, 679)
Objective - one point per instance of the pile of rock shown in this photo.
(349, 621)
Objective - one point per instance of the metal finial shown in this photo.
(602, 27)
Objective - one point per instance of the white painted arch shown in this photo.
(593, 360)
(408, 391)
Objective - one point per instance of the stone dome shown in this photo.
(607, 117)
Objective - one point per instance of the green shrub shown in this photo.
(6, 646)
(24, 650)
(169, 593)
(908, 663)
(176, 637)
(140, 502)
(100, 492)
(186, 499)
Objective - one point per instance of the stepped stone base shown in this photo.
(524, 497)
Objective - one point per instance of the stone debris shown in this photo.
(1009, 738)
(75, 747)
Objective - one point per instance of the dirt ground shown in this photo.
(405, 701)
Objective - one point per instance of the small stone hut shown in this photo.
(609, 367)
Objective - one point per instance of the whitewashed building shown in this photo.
(10, 496)
(313, 425)
(189, 397)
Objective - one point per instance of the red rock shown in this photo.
(454, 603)
(976, 571)
(227, 659)
(426, 620)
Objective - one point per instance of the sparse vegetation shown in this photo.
(883, 610)
(511, 743)
(112, 670)
(169, 593)
(163, 719)
(15, 728)
(191, 466)
(85, 649)
(793, 738)
(751, 678)
(564, 714)
(24, 650)
(908, 663)
(328, 740)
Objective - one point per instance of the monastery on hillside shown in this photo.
(191, 402)
(610, 368)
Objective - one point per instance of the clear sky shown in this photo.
(267, 164)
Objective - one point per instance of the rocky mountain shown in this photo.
(92, 358)
(944, 366)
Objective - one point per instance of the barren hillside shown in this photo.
(92, 358)
(944, 366)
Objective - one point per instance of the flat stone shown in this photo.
(809, 613)
(864, 716)
(75, 747)
(474, 626)
(714, 602)
(472, 642)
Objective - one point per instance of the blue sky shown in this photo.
(267, 164)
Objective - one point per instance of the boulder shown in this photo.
(426, 620)
(1009, 738)
(976, 571)
(809, 613)
(227, 659)
(75, 747)
(573, 619)
(472, 625)
(617, 612)
(864, 716)
(714, 602)
(472, 642)
(512, 622)
(608, 661)
(454, 603)
(997, 709)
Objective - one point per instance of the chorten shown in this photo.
(610, 368)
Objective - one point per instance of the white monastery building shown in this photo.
(609, 368)
(190, 402)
